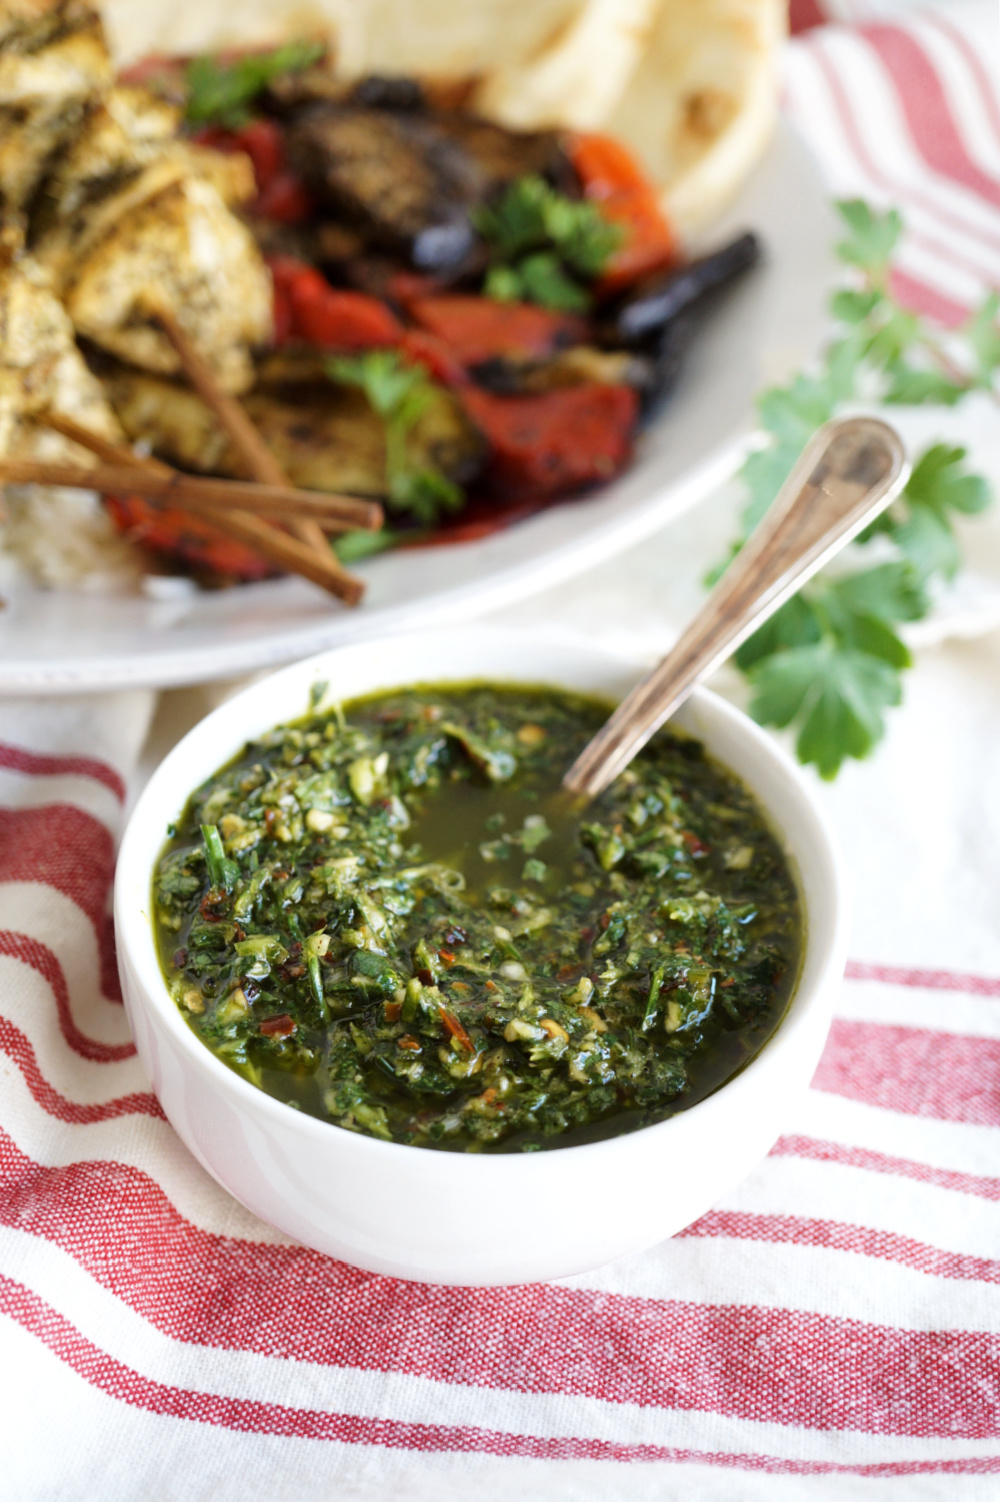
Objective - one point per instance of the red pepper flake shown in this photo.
(446, 957)
(292, 972)
(459, 985)
(605, 919)
(392, 1010)
(278, 1027)
(270, 819)
(566, 972)
(239, 935)
(410, 1042)
(491, 985)
(455, 1028)
(212, 906)
(730, 982)
(425, 977)
(696, 846)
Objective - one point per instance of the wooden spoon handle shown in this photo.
(847, 474)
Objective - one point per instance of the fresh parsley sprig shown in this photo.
(829, 662)
(544, 246)
(400, 393)
(221, 93)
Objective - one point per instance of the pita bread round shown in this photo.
(688, 84)
(701, 105)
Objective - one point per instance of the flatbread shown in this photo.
(689, 84)
(701, 105)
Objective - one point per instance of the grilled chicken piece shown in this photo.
(27, 25)
(181, 245)
(49, 74)
(408, 178)
(229, 172)
(41, 368)
(116, 140)
(325, 437)
(119, 210)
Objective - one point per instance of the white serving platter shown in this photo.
(62, 641)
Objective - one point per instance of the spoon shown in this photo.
(847, 474)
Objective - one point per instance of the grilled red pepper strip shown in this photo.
(479, 328)
(307, 307)
(189, 539)
(612, 177)
(434, 355)
(281, 195)
(557, 442)
(286, 200)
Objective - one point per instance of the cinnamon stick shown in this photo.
(242, 434)
(204, 494)
(287, 552)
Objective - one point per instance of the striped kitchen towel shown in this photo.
(830, 1330)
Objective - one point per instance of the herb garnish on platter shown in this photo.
(829, 662)
(400, 393)
(543, 245)
(221, 93)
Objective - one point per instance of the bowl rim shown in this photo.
(824, 944)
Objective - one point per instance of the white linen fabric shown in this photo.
(830, 1330)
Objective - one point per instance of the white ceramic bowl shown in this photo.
(452, 1217)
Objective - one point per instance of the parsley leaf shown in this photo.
(400, 394)
(354, 546)
(983, 334)
(910, 387)
(872, 238)
(829, 661)
(837, 693)
(221, 93)
(938, 487)
(543, 245)
(889, 592)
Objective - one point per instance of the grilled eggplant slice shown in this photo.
(326, 437)
(659, 300)
(331, 442)
(408, 178)
(392, 175)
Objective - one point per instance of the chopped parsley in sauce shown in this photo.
(390, 916)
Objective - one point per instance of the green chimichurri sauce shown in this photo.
(390, 916)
